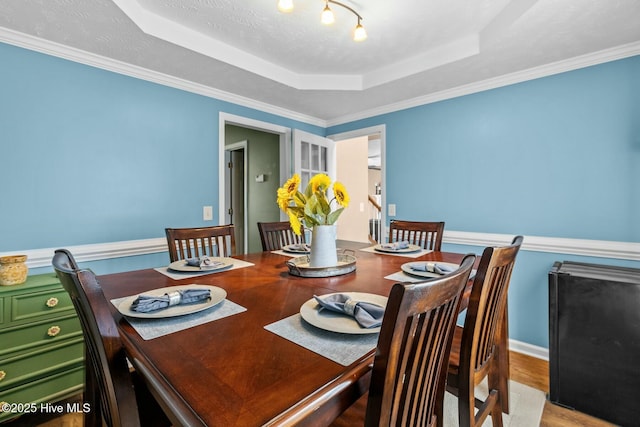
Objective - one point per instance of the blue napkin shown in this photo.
(204, 262)
(299, 247)
(395, 245)
(147, 303)
(433, 267)
(368, 315)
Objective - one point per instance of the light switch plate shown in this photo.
(207, 213)
(392, 209)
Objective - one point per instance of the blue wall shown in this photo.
(89, 156)
(555, 157)
(558, 156)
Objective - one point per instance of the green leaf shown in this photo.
(299, 199)
(307, 191)
(333, 216)
(324, 205)
(309, 221)
(297, 210)
(312, 210)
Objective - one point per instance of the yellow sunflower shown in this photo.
(340, 193)
(283, 199)
(312, 207)
(292, 184)
(295, 222)
(319, 182)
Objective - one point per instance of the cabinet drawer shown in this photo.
(40, 362)
(30, 306)
(56, 387)
(44, 332)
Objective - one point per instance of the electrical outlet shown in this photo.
(392, 209)
(207, 213)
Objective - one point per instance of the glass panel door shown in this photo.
(312, 154)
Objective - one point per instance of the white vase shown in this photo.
(323, 246)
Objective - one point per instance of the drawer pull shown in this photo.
(2, 375)
(53, 331)
(52, 302)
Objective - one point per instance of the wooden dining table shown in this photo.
(234, 372)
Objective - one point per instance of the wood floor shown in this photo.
(524, 369)
(535, 373)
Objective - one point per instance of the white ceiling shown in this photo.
(417, 50)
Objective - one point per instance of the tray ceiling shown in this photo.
(416, 49)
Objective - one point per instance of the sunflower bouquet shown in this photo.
(312, 207)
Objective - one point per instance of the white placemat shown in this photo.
(289, 254)
(404, 254)
(176, 275)
(154, 328)
(341, 348)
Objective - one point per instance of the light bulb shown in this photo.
(285, 6)
(359, 33)
(327, 17)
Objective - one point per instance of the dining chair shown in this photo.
(410, 365)
(117, 396)
(426, 234)
(275, 235)
(476, 350)
(216, 241)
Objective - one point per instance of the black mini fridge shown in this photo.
(594, 334)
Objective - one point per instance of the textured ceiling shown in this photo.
(415, 48)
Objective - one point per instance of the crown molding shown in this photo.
(583, 61)
(83, 57)
(76, 55)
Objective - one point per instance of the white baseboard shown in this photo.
(529, 349)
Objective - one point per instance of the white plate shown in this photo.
(292, 248)
(217, 296)
(181, 265)
(407, 268)
(336, 322)
(410, 249)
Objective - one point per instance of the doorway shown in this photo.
(243, 137)
(370, 200)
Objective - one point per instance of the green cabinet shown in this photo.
(41, 344)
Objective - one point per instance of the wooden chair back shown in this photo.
(109, 386)
(216, 241)
(410, 365)
(476, 354)
(275, 235)
(427, 235)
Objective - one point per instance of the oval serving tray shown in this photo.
(299, 266)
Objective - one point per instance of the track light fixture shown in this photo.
(327, 17)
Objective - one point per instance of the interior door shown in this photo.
(236, 192)
(312, 154)
(238, 197)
